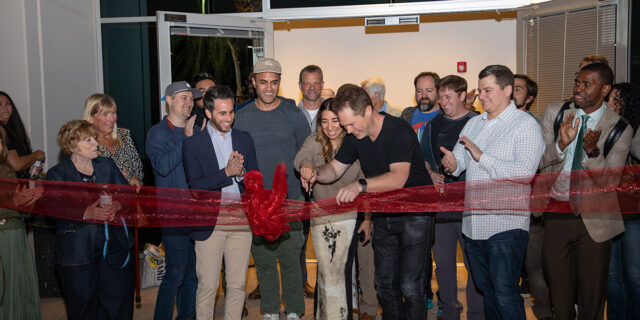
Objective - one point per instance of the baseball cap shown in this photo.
(267, 65)
(180, 86)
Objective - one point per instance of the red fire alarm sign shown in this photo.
(462, 66)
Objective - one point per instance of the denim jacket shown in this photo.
(78, 242)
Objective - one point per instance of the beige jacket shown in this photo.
(600, 210)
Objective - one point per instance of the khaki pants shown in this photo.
(235, 245)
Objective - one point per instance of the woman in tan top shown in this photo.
(333, 234)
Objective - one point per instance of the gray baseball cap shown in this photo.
(267, 65)
(180, 86)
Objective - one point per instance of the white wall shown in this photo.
(347, 54)
(49, 63)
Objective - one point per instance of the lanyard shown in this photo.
(106, 241)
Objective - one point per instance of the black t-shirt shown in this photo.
(397, 142)
(448, 134)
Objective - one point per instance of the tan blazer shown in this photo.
(601, 213)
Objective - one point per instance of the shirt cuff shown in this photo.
(560, 152)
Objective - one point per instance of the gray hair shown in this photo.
(373, 85)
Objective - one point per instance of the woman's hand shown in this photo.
(134, 181)
(366, 227)
(307, 175)
(25, 197)
(95, 212)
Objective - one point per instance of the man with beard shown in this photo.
(425, 85)
(443, 131)
(577, 244)
(525, 91)
(278, 129)
(216, 159)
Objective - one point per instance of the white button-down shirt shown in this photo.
(223, 147)
(512, 147)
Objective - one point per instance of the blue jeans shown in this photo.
(496, 266)
(400, 244)
(623, 296)
(180, 281)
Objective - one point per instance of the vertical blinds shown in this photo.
(556, 43)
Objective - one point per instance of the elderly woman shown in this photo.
(19, 156)
(19, 295)
(623, 296)
(115, 143)
(92, 258)
(332, 235)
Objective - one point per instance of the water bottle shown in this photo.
(34, 174)
(105, 197)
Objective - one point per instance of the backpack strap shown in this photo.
(559, 118)
(615, 133)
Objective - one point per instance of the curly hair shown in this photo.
(628, 96)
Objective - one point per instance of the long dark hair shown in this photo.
(629, 98)
(15, 130)
(327, 148)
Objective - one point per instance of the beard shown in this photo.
(426, 105)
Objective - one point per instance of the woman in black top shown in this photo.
(20, 156)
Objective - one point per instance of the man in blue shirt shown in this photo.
(426, 108)
(164, 148)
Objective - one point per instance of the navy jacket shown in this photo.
(78, 242)
(203, 171)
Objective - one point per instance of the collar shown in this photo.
(596, 115)
(215, 133)
(506, 114)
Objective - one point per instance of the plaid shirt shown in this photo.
(512, 146)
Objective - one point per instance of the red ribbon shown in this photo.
(606, 191)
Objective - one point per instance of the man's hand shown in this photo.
(308, 175)
(235, 165)
(188, 127)
(348, 193)
(568, 132)
(436, 178)
(448, 160)
(366, 227)
(476, 153)
(591, 139)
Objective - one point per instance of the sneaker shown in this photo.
(292, 316)
(271, 316)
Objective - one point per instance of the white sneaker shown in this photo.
(292, 316)
(271, 316)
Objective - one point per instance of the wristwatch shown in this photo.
(594, 153)
(363, 185)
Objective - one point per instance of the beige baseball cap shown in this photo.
(267, 65)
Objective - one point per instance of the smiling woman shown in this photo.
(113, 142)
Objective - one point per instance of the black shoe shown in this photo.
(245, 312)
(255, 294)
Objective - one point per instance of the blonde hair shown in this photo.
(4, 152)
(92, 106)
(72, 132)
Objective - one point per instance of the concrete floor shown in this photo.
(53, 309)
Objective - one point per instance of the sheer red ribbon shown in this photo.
(607, 191)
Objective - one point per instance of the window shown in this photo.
(556, 43)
